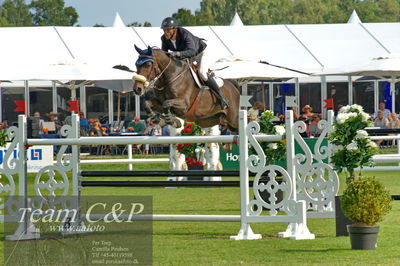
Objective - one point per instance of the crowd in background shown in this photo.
(49, 126)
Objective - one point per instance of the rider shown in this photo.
(182, 44)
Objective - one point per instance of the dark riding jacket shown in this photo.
(186, 43)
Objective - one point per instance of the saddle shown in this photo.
(195, 71)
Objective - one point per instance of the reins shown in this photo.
(153, 81)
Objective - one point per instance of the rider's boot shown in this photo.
(212, 84)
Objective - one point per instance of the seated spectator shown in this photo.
(380, 120)
(307, 112)
(394, 121)
(136, 125)
(254, 111)
(382, 108)
(313, 130)
(84, 124)
(151, 130)
(53, 117)
(37, 125)
(97, 130)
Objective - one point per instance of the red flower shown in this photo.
(187, 130)
(189, 124)
(179, 146)
(187, 144)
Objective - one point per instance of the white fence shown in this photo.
(307, 184)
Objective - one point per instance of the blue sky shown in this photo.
(103, 11)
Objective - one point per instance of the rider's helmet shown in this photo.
(169, 23)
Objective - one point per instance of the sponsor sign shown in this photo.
(38, 157)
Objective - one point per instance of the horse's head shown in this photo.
(145, 70)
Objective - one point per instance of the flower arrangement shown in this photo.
(274, 151)
(351, 148)
(193, 151)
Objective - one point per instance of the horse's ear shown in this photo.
(140, 51)
(149, 51)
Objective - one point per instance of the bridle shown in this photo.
(154, 67)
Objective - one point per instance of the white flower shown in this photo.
(280, 130)
(372, 144)
(365, 116)
(336, 148)
(197, 150)
(358, 107)
(344, 109)
(269, 112)
(341, 118)
(352, 146)
(273, 146)
(361, 133)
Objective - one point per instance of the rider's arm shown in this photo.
(190, 47)
(164, 45)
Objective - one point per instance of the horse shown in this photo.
(177, 94)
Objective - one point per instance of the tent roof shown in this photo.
(309, 48)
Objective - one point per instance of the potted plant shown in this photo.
(365, 201)
(194, 152)
(351, 149)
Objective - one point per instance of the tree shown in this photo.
(264, 12)
(185, 17)
(53, 13)
(15, 13)
(138, 24)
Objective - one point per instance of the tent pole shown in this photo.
(27, 103)
(393, 93)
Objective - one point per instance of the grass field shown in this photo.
(207, 243)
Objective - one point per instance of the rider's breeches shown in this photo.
(205, 64)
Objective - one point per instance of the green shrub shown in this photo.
(366, 201)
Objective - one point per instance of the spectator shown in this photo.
(254, 111)
(313, 129)
(382, 108)
(307, 112)
(380, 120)
(53, 117)
(151, 130)
(136, 125)
(97, 130)
(37, 125)
(394, 121)
(84, 124)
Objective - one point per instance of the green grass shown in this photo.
(207, 243)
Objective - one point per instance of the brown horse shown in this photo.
(177, 93)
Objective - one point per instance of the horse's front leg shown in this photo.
(170, 118)
(155, 117)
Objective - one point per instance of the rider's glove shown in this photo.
(175, 54)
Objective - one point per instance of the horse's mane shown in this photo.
(177, 61)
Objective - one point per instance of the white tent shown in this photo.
(385, 67)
